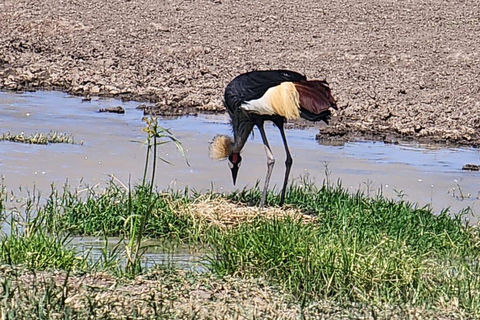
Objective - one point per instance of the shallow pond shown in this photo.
(113, 145)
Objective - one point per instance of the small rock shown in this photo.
(95, 90)
(118, 109)
(159, 27)
(471, 167)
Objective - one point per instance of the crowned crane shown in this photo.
(276, 95)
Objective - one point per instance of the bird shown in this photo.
(257, 96)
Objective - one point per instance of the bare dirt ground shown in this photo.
(406, 68)
(173, 294)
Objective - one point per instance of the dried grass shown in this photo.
(225, 214)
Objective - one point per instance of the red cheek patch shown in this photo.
(235, 158)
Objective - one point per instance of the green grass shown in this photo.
(39, 251)
(39, 138)
(28, 243)
(375, 253)
(358, 250)
(110, 213)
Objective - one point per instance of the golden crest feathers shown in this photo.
(220, 147)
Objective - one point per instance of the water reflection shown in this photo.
(98, 250)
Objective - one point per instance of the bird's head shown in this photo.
(221, 148)
(235, 160)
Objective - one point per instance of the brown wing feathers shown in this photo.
(314, 96)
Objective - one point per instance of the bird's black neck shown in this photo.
(242, 125)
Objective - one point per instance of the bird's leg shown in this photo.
(270, 162)
(288, 161)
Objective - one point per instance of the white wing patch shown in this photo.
(281, 100)
(261, 105)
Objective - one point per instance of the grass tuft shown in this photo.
(39, 138)
(28, 243)
(109, 213)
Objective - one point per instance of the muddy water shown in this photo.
(112, 145)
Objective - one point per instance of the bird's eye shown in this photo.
(239, 163)
(230, 165)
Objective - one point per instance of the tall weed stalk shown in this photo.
(156, 136)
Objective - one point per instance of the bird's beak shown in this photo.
(234, 173)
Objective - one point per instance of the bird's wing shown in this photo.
(281, 100)
(314, 96)
(253, 85)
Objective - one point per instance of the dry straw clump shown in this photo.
(225, 214)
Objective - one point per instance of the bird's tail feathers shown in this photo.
(324, 116)
(220, 147)
(315, 96)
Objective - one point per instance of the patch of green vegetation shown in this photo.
(39, 251)
(368, 250)
(356, 250)
(39, 138)
(112, 213)
(29, 244)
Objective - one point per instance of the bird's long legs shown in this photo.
(270, 162)
(288, 161)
